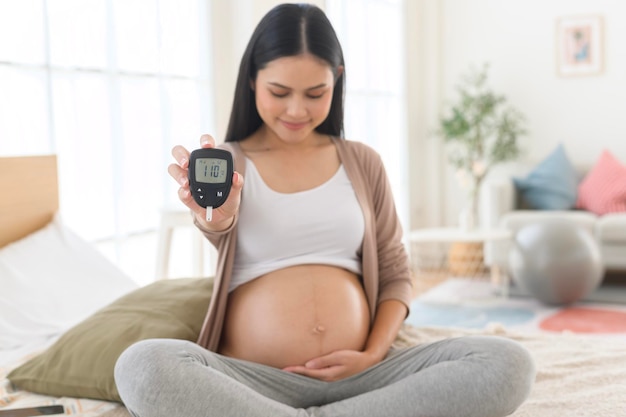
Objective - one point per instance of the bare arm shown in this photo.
(387, 323)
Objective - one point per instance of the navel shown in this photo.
(319, 329)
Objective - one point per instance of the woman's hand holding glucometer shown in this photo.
(210, 176)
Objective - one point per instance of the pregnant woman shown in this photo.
(312, 283)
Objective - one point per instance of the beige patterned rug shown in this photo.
(576, 376)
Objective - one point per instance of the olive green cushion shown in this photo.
(80, 364)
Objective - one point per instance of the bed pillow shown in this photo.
(51, 280)
(80, 364)
(551, 185)
(603, 190)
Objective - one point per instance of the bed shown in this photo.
(65, 308)
(50, 279)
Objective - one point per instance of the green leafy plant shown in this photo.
(480, 130)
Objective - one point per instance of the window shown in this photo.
(372, 36)
(109, 86)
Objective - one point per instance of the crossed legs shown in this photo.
(468, 376)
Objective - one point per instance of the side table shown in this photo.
(431, 252)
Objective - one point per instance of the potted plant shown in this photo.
(480, 130)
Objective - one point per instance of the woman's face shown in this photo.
(293, 95)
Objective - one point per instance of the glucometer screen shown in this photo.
(211, 170)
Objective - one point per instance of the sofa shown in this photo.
(594, 199)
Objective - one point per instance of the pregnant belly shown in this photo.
(295, 314)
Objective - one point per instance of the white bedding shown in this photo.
(9, 357)
(50, 281)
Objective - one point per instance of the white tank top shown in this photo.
(324, 225)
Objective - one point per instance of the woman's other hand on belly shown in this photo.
(344, 363)
(335, 366)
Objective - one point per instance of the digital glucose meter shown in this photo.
(210, 177)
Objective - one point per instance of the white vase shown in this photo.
(469, 217)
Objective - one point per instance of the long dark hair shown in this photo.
(287, 30)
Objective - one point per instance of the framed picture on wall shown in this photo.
(579, 45)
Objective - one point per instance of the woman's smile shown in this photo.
(293, 95)
(294, 125)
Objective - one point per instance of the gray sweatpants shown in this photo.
(469, 376)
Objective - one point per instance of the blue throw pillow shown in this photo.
(552, 184)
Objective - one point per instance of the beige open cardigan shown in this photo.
(383, 255)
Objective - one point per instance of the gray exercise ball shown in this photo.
(556, 261)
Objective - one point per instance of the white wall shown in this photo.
(517, 38)
(445, 37)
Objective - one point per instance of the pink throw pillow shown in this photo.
(603, 190)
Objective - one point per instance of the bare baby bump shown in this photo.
(295, 314)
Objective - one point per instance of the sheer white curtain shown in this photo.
(109, 86)
(372, 35)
